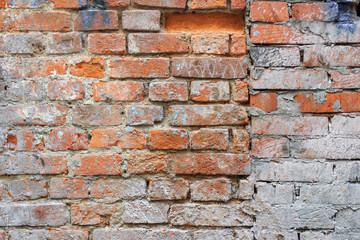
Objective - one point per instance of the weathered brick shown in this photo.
(32, 67)
(209, 139)
(147, 163)
(337, 56)
(238, 4)
(213, 44)
(211, 164)
(281, 34)
(213, 115)
(92, 213)
(97, 164)
(210, 91)
(345, 125)
(241, 92)
(261, 11)
(168, 91)
(24, 140)
(291, 79)
(44, 214)
(96, 115)
(139, 68)
(3, 5)
(205, 22)
(88, 67)
(119, 189)
(69, 4)
(179, 4)
(29, 43)
(63, 43)
(68, 188)
(127, 138)
(211, 190)
(124, 91)
(209, 215)
(275, 193)
(21, 190)
(144, 114)
(270, 148)
(294, 126)
(141, 20)
(53, 234)
(212, 4)
(141, 211)
(225, 234)
(246, 190)
(345, 81)
(168, 189)
(107, 43)
(275, 57)
(241, 140)
(226, 68)
(265, 101)
(156, 43)
(33, 164)
(22, 91)
(117, 3)
(40, 115)
(315, 11)
(35, 21)
(162, 139)
(63, 90)
(68, 139)
(238, 44)
(95, 20)
(141, 233)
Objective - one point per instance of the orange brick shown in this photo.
(68, 188)
(176, 139)
(88, 67)
(241, 140)
(117, 3)
(128, 138)
(68, 139)
(178, 4)
(210, 139)
(315, 11)
(97, 164)
(168, 91)
(69, 4)
(241, 92)
(265, 101)
(92, 213)
(238, 45)
(269, 11)
(2, 5)
(24, 140)
(209, 4)
(270, 148)
(238, 4)
(107, 43)
(147, 163)
(125, 91)
(210, 43)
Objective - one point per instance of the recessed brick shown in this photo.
(88, 67)
(212, 44)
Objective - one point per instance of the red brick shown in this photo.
(225, 68)
(241, 92)
(2, 233)
(107, 43)
(68, 188)
(96, 115)
(281, 34)
(21, 190)
(41, 115)
(293, 126)
(62, 43)
(168, 189)
(68, 139)
(144, 114)
(139, 68)
(210, 4)
(124, 91)
(92, 213)
(96, 20)
(238, 4)
(2, 3)
(168, 91)
(147, 163)
(270, 148)
(264, 101)
(210, 91)
(35, 21)
(128, 138)
(24, 140)
(329, 103)
(141, 20)
(211, 164)
(33, 164)
(160, 139)
(97, 164)
(88, 67)
(238, 45)
(210, 139)
(117, 3)
(347, 80)
(179, 4)
(212, 115)
(66, 90)
(205, 22)
(241, 140)
(32, 67)
(269, 11)
(315, 11)
(69, 4)
(211, 190)
(337, 56)
(52, 234)
(156, 43)
(213, 44)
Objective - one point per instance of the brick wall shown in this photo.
(134, 119)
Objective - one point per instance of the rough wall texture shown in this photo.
(134, 119)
